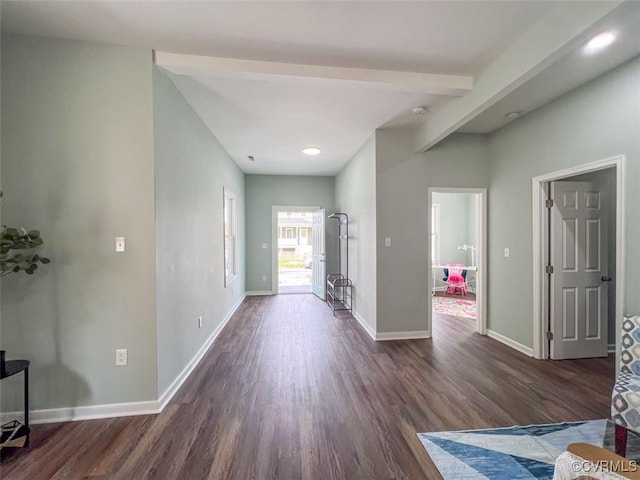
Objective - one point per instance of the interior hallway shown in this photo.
(288, 391)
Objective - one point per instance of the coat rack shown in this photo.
(339, 286)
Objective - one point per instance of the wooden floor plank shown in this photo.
(288, 391)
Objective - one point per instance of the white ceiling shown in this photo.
(570, 71)
(391, 56)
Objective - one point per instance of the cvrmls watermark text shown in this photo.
(599, 466)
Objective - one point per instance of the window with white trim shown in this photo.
(230, 241)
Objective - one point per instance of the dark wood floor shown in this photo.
(290, 392)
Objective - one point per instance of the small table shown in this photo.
(12, 367)
(444, 287)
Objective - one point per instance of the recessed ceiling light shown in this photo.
(311, 150)
(512, 115)
(419, 110)
(599, 42)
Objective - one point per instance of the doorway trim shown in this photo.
(539, 188)
(481, 274)
(275, 209)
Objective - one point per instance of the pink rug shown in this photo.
(457, 307)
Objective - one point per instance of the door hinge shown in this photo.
(548, 269)
(549, 335)
(549, 203)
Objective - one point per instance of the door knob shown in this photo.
(604, 278)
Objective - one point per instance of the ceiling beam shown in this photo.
(563, 29)
(452, 85)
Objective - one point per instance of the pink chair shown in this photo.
(456, 279)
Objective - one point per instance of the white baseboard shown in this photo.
(67, 414)
(367, 328)
(403, 335)
(257, 293)
(186, 371)
(390, 335)
(510, 343)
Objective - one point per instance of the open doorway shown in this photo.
(578, 260)
(294, 251)
(457, 226)
(297, 256)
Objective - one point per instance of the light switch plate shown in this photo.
(122, 357)
(120, 245)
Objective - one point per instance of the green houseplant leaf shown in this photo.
(15, 246)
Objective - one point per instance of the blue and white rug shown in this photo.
(513, 453)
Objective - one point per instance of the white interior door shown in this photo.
(578, 284)
(319, 258)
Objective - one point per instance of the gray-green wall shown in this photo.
(356, 196)
(77, 163)
(191, 169)
(402, 187)
(262, 193)
(597, 121)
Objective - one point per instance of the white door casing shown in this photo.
(539, 193)
(578, 287)
(319, 265)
